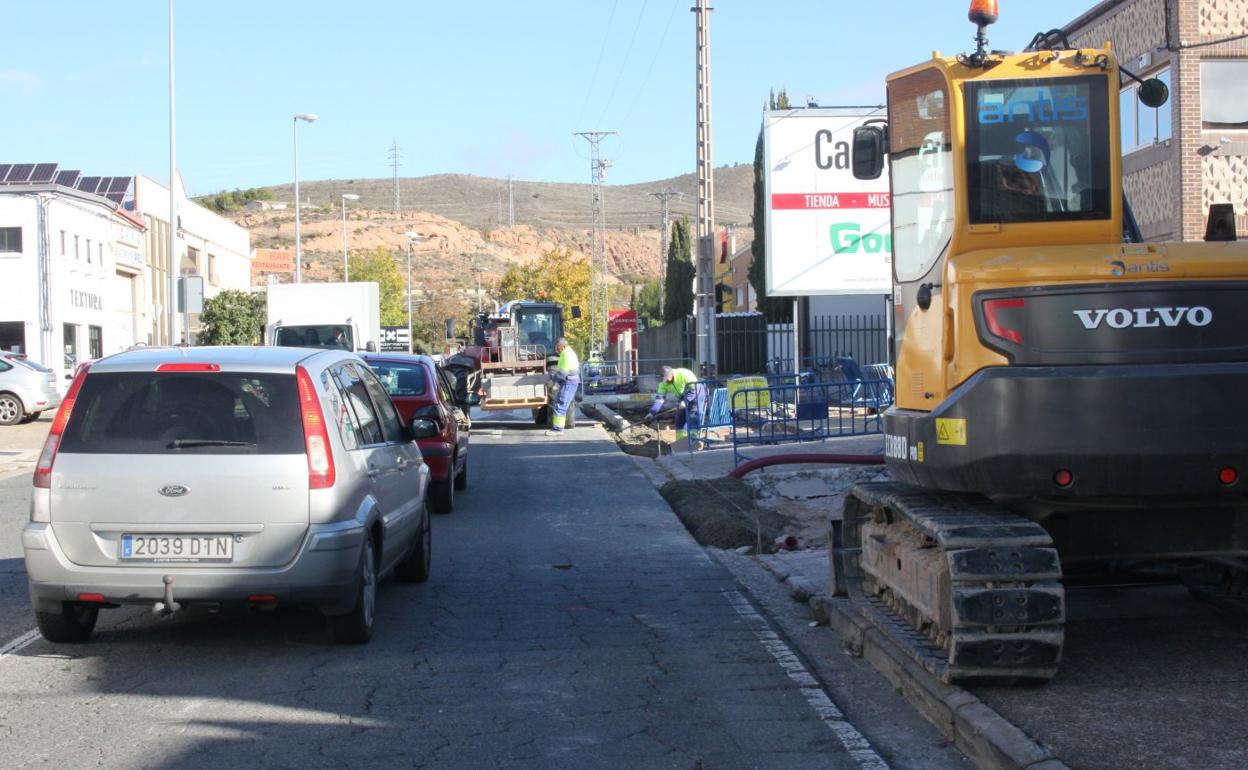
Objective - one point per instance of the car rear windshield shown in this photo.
(26, 362)
(185, 413)
(401, 379)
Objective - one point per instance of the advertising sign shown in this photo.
(827, 232)
(620, 321)
(395, 339)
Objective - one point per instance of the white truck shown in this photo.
(324, 315)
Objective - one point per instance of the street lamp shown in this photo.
(413, 238)
(306, 117)
(346, 269)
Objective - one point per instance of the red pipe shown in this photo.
(806, 459)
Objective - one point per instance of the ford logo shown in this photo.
(173, 490)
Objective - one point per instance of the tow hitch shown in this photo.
(168, 606)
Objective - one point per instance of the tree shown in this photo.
(647, 303)
(680, 272)
(561, 276)
(429, 314)
(776, 310)
(232, 317)
(379, 265)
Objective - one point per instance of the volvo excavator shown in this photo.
(1068, 396)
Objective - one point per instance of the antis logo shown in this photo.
(1145, 317)
(1035, 153)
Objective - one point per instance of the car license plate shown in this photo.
(177, 547)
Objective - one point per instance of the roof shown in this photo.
(241, 357)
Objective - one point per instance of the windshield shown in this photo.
(1038, 150)
(331, 337)
(400, 379)
(26, 362)
(539, 327)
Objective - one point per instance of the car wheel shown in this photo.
(415, 567)
(356, 627)
(72, 625)
(461, 478)
(541, 415)
(442, 496)
(11, 409)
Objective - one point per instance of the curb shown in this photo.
(984, 736)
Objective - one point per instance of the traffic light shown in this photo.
(723, 295)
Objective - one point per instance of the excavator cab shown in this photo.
(1066, 396)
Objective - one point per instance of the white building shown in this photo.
(71, 283)
(208, 245)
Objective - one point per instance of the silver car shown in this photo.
(26, 389)
(241, 475)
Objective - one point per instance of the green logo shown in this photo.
(847, 238)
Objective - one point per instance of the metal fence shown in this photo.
(785, 414)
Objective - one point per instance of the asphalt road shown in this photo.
(570, 621)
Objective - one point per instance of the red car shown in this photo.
(422, 392)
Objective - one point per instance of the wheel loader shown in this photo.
(1067, 395)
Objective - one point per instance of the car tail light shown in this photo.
(998, 326)
(189, 367)
(96, 598)
(315, 433)
(430, 413)
(43, 468)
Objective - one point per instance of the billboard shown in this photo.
(827, 232)
(620, 321)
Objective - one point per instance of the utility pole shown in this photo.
(498, 217)
(704, 282)
(395, 158)
(666, 226)
(598, 215)
(511, 204)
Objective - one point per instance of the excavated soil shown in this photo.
(724, 513)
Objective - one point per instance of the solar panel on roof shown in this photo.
(43, 173)
(102, 187)
(120, 184)
(20, 173)
(88, 184)
(4, 170)
(116, 197)
(68, 177)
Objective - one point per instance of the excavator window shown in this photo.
(921, 157)
(1038, 150)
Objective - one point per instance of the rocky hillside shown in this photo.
(456, 217)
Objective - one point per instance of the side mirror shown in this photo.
(870, 145)
(470, 399)
(370, 346)
(576, 311)
(1154, 93)
(422, 428)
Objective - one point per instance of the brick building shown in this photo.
(1193, 151)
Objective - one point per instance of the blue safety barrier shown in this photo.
(718, 415)
(785, 414)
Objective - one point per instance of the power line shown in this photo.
(593, 81)
(624, 63)
(644, 81)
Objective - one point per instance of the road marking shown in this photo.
(858, 747)
(20, 642)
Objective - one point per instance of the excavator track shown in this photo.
(971, 591)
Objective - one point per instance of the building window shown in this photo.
(190, 263)
(1143, 126)
(212, 269)
(1224, 95)
(76, 254)
(101, 253)
(10, 239)
(88, 251)
(62, 243)
(69, 337)
(95, 342)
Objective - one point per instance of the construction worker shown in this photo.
(568, 376)
(690, 395)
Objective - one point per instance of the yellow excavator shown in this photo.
(1068, 396)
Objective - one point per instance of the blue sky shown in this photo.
(483, 88)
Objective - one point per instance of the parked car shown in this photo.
(234, 475)
(27, 389)
(422, 390)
